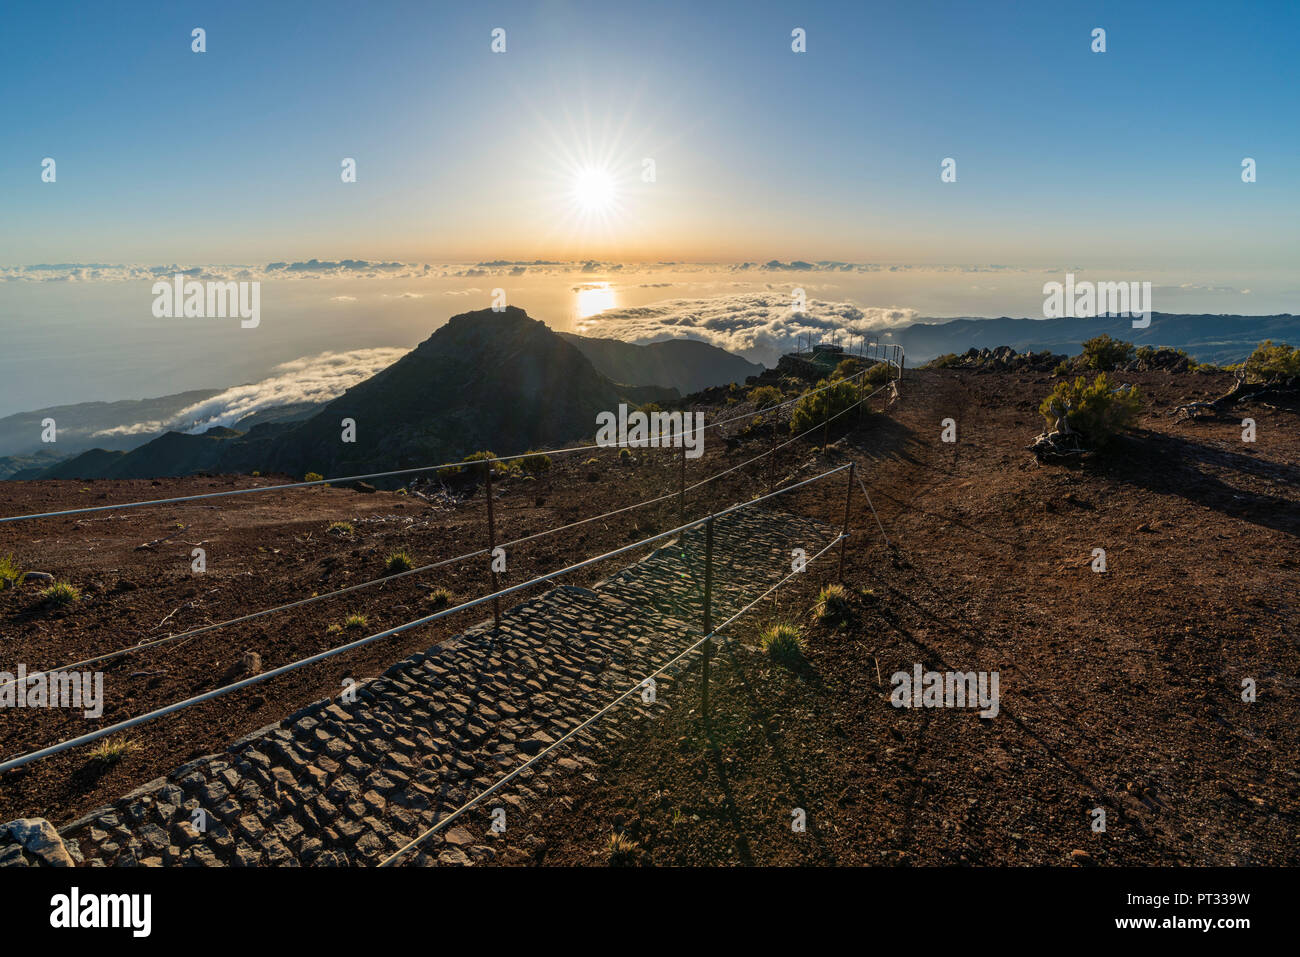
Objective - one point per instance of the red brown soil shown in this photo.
(1119, 690)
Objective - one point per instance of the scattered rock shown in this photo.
(249, 663)
(38, 837)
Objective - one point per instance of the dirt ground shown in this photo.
(1119, 690)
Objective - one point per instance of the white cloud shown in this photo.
(759, 326)
(316, 378)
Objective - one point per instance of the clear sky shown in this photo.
(1131, 157)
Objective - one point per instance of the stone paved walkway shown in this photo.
(347, 784)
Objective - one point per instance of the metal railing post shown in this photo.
(681, 494)
(771, 455)
(708, 614)
(844, 532)
(492, 547)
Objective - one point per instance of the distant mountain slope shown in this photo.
(77, 424)
(485, 380)
(1206, 338)
(686, 365)
(25, 466)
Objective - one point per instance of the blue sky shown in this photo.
(1129, 158)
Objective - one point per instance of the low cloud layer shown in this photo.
(367, 269)
(759, 326)
(316, 378)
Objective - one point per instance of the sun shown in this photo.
(594, 191)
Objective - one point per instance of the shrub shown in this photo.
(398, 562)
(945, 361)
(766, 396)
(878, 374)
(354, 622)
(1270, 361)
(816, 408)
(438, 597)
(110, 750)
(846, 368)
(621, 850)
(60, 593)
(313, 477)
(477, 463)
(340, 528)
(534, 463)
(1106, 354)
(783, 644)
(10, 573)
(1097, 412)
(624, 456)
(833, 605)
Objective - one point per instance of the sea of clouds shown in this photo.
(315, 379)
(760, 326)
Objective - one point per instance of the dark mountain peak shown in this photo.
(485, 326)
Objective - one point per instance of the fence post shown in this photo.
(844, 533)
(681, 494)
(708, 614)
(771, 460)
(492, 546)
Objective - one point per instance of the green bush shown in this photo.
(1097, 412)
(816, 408)
(60, 593)
(313, 477)
(846, 368)
(766, 396)
(1106, 354)
(10, 573)
(534, 463)
(111, 750)
(833, 605)
(783, 644)
(398, 562)
(1270, 361)
(878, 374)
(945, 361)
(478, 464)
